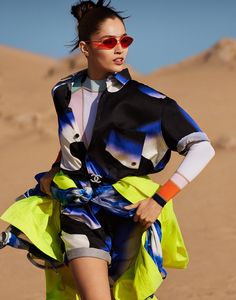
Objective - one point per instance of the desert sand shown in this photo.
(205, 86)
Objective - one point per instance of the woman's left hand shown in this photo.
(147, 211)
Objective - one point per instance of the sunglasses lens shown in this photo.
(109, 43)
(126, 41)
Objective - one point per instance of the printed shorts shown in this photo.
(109, 237)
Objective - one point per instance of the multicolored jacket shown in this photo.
(135, 130)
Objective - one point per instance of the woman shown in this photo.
(111, 127)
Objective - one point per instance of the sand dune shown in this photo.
(205, 86)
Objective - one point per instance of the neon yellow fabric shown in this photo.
(63, 181)
(60, 286)
(144, 278)
(140, 281)
(135, 188)
(174, 251)
(38, 218)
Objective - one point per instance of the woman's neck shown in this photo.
(94, 85)
(95, 74)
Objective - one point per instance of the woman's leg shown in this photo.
(91, 278)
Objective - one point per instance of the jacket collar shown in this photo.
(78, 78)
(123, 77)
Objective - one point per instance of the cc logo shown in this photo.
(95, 178)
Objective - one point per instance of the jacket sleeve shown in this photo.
(179, 130)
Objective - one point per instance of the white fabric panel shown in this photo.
(179, 180)
(197, 158)
(73, 241)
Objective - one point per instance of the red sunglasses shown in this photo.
(110, 42)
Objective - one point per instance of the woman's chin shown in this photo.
(118, 68)
(113, 69)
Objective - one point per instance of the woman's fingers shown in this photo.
(147, 212)
(132, 206)
(137, 218)
(147, 225)
(143, 219)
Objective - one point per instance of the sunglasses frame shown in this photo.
(100, 43)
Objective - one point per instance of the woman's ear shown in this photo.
(84, 48)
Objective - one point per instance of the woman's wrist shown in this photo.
(166, 192)
(158, 199)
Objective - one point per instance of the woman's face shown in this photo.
(102, 62)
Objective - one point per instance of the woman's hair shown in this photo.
(90, 16)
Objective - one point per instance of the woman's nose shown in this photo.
(118, 47)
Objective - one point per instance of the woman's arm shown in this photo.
(198, 156)
(45, 181)
(195, 161)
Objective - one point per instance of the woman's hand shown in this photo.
(45, 181)
(147, 212)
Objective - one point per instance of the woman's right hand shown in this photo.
(45, 181)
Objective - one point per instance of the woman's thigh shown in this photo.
(91, 278)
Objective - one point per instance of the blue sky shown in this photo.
(165, 31)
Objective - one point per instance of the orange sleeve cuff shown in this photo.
(168, 190)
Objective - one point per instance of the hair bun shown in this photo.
(80, 9)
